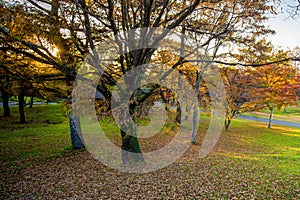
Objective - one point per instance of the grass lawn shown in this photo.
(45, 134)
(249, 161)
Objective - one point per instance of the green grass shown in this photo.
(45, 135)
(277, 148)
(283, 149)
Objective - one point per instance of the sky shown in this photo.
(287, 30)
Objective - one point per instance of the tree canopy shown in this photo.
(51, 38)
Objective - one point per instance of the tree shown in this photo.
(80, 26)
(276, 87)
(237, 83)
(5, 89)
(36, 32)
(28, 78)
(272, 85)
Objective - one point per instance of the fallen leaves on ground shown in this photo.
(80, 176)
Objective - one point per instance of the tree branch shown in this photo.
(248, 64)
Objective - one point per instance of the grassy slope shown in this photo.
(268, 158)
(277, 148)
(47, 135)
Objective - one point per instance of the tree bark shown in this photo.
(178, 114)
(6, 109)
(131, 151)
(196, 111)
(130, 144)
(21, 108)
(195, 125)
(31, 102)
(227, 123)
(271, 116)
(75, 129)
(75, 132)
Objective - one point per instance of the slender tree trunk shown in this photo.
(163, 95)
(21, 108)
(227, 123)
(31, 102)
(195, 125)
(178, 114)
(6, 109)
(75, 130)
(196, 111)
(271, 116)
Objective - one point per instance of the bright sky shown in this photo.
(287, 30)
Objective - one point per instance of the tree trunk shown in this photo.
(6, 108)
(196, 111)
(195, 125)
(31, 102)
(75, 131)
(178, 114)
(21, 108)
(74, 121)
(271, 116)
(227, 123)
(131, 151)
(130, 144)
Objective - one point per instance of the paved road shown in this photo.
(278, 122)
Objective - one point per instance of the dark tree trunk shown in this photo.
(163, 95)
(131, 151)
(271, 116)
(6, 108)
(130, 144)
(227, 123)
(21, 108)
(75, 130)
(31, 102)
(178, 114)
